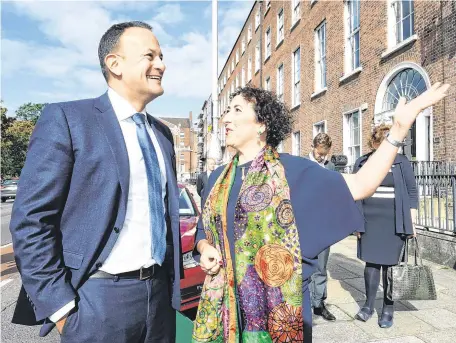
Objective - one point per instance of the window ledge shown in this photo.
(350, 74)
(279, 44)
(296, 23)
(319, 92)
(295, 107)
(399, 46)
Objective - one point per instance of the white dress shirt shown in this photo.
(312, 158)
(132, 249)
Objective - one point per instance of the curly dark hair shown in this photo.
(270, 111)
(378, 135)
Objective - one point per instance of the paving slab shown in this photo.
(405, 324)
(437, 317)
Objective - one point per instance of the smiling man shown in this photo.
(95, 224)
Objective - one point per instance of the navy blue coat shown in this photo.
(324, 210)
(405, 192)
(71, 204)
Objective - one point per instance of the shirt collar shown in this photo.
(121, 106)
(312, 158)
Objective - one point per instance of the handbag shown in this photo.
(410, 281)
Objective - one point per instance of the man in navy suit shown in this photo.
(95, 224)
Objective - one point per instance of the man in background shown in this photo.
(319, 281)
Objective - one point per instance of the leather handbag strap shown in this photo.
(403, 257)
(417, 252)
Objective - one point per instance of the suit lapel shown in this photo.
(110, 126)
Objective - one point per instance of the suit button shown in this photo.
(99, 264)
(116, 230)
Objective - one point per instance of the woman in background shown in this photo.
(388, 217)
(267, 216)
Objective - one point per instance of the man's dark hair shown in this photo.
(110, 41)
(322, 139)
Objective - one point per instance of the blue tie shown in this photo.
(157, 221)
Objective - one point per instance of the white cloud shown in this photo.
(69, 63)
(189, 69)
(169, 14)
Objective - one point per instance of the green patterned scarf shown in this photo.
(266, 282)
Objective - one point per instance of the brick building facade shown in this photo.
(340, 66)
(185, 145)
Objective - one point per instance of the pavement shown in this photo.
(5, 208)
(414, 321)
(432, 321)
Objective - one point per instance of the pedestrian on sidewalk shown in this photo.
(388, 217)
(201, 182)
(321, 146)
(268, 215)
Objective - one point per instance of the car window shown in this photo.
(9, 182)
(185, 204)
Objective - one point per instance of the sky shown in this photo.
(49, 49)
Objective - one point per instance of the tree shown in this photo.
(29, 112)
(14, 149)
(6, 121)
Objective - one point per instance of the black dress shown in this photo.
(380, 244)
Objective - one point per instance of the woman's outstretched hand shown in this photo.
(210, 258)
(406, 113)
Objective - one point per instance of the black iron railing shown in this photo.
(437, 189)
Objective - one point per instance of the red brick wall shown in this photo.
(434, 51)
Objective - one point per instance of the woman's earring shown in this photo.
(259, 133)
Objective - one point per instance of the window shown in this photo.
(280, 32)
(185, 204)
(249, 69)
(319, 127)
(320, 56)
(401, 20)
(243, 44)
(296, 100)
(257, 19)
(249, 33)
(243, 77)
(182, 156)
(257, 57)
(280, 147)
(267, 44)
(352, 136)
(280, 82)
(224, 81)
(232, 87)
(182, 135)
(267, 84)
(181, 144)
(237, 81)
(237, 57)
(295, 14)
(182, 168)
(296, 144)
(352, 26)
(268, 4)
(232, 66)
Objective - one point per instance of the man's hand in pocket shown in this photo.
(61, 323)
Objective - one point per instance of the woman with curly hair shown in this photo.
(267, 216)
(388, 217)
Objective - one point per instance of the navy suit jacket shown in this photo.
(71, 204)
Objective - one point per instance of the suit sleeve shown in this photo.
(199, 185)
(35, 221)
(410, 182)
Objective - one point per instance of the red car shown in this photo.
(192, 284)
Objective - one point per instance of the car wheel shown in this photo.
(3, 199)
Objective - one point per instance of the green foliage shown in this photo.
(16, 133)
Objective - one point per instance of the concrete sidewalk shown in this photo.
(414, 321)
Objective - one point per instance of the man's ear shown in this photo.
(113, 64)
